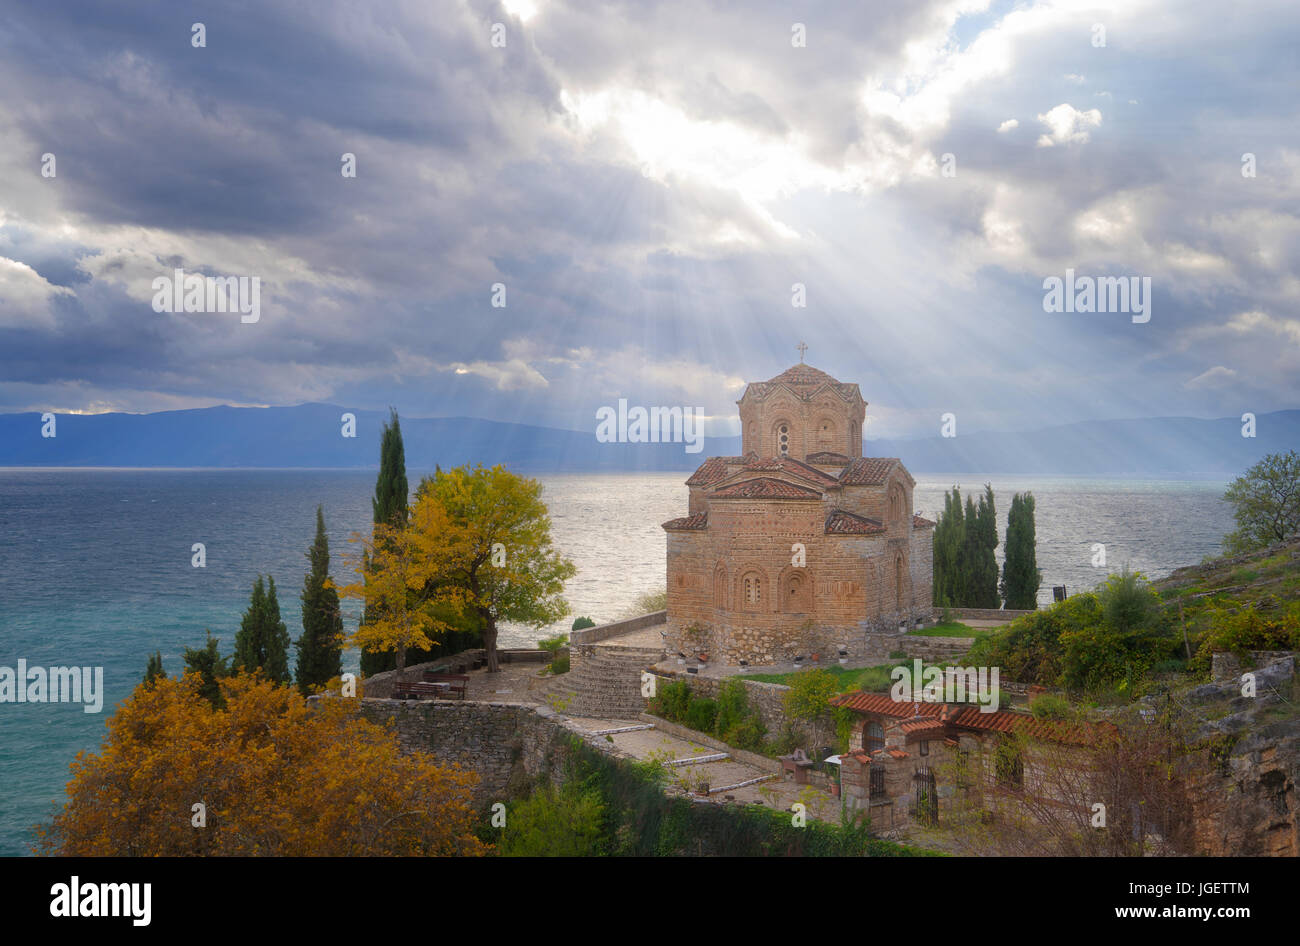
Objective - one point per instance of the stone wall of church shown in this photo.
(847, 586)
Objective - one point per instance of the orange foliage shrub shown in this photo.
(276, 775)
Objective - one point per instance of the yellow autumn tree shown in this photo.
(405, 573)
(492, 540)
(268, 774)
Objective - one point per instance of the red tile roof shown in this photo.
(882, 704)
(925, 722)
(840, 522)
(868, 471)
(695, 523)
(828, 458)
(712, 470)
(920, 522)
(790, 465)
(765, 487)
(969, 717)
(805, 381)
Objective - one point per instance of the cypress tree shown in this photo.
(262, 641)
(985, 574)
(208, 663)
(390, 505)
(968, 562)
(320, 649)
(1020, 575)
(154, 668)
(391, 490)
(949, 536)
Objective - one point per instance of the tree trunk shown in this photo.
(401, 664)
(490, 642)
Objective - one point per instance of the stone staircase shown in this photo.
(690, 764)
(605, 679)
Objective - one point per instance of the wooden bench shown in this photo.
(457, 683)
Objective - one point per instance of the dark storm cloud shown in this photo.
(648, 180)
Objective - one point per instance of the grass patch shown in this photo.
(871, 679)
(950, 629)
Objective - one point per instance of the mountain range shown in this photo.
(311, 435)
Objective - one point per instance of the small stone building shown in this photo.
(908, 761)
(801, 545)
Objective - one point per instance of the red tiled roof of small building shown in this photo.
(868, 471)
(968, 717)
(840, 522)
(695, 523)
(765, 487)
(926, 722)
(920, 522)
(882, 704)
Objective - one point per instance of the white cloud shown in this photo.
(1067, 125)
(26, 296)
(1009, 125)
(1213, 378)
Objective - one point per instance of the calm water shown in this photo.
(95, 569)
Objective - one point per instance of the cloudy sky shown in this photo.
(648, 180)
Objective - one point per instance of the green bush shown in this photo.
(559, 665)
(1050, 706)
(701, 714)
(737, 724)
(568, 823)
(553, 644)
(582, 623)
(671, 701)
(1245, 630)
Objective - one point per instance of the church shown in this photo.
(802, 546)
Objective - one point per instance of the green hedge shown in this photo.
(610, 807)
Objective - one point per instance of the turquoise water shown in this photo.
(95, 569)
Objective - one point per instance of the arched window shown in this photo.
(752, 588)
(873, 736)
(897, 503)
(720, 588)
(796, 591)
(783, 440)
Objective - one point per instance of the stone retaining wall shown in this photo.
(509, 745)
(934, 649)
(590, 635)
(761, 762)
(985, 614)
(1225, 667)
